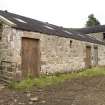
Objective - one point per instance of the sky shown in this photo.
(66, 13)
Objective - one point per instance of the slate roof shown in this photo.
(95, 29)
(28, 24)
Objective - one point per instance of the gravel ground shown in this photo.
(81, 91)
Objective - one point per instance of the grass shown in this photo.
(43, 81)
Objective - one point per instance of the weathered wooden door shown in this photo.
(30, 57)
(95, 57)
(88, 57)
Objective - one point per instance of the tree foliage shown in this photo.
(92, 21)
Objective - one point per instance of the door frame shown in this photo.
(39, 55)
(95, 51)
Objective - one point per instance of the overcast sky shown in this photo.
(67, 13)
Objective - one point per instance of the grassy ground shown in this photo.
(55, 79)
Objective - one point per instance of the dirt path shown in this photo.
(82, 91)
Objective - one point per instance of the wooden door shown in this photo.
(95, 56)
(88, 57)
(30, 57)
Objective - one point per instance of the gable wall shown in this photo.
(98, 35)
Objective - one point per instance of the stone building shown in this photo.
(97, 31)
(31, 47)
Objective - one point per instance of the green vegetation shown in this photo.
(92, 21)
(43, 81)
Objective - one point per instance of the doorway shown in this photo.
(30, 57)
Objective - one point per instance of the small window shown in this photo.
(71, 43)
(104, 36)
(1, 29)
(95, 47)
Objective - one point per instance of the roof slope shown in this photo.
(28, 24)
(95, 29)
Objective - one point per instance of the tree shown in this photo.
(92, 21)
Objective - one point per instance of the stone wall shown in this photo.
(8, 49)
(101, 49)
(101, 55)
(57, 55)
(5, 44)
(98, 35)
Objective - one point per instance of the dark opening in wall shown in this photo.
(1, 29)
(104, 36)
(71, 43)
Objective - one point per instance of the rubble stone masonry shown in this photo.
(58, 54)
